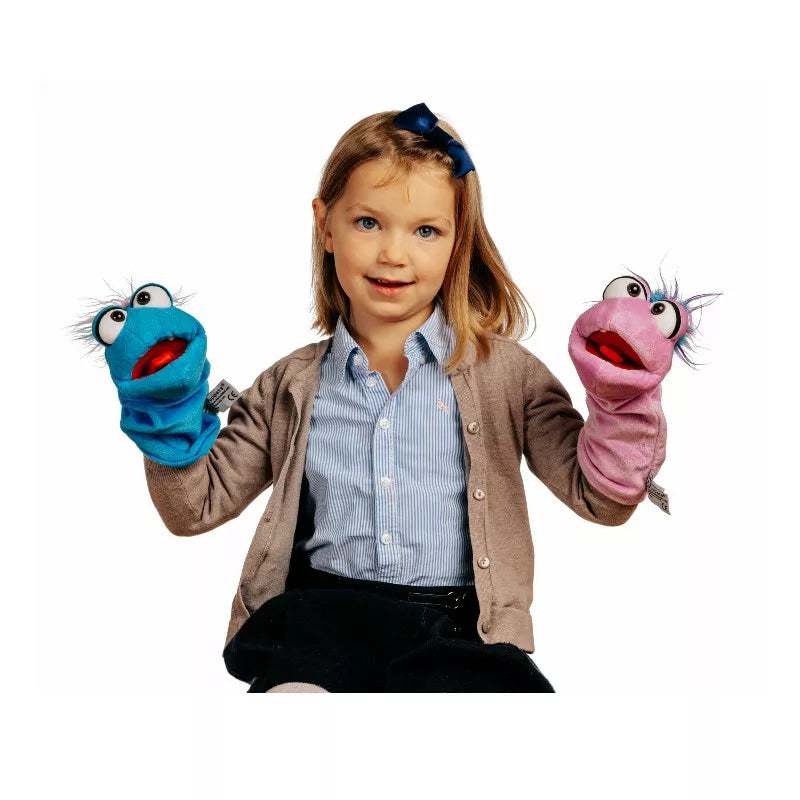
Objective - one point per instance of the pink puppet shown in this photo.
(622, 348)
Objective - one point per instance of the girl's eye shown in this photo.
(428, 228)
(625, 286)
(108, 325)
(373, 222)
(151, 295)
(365, 219)
(667, 317)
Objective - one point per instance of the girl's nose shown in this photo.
(392, 250)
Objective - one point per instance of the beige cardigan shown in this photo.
(510, 406)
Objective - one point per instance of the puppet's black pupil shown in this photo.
(143, 298)
(117, 316)
(634, 289)
(658, 308)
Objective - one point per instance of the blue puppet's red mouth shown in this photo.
(158, 356)
(613, 348)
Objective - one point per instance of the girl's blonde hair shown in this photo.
(478, 295)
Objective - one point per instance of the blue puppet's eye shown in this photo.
(108, 324)
(667, 317)
(625, 286)
(151, 295)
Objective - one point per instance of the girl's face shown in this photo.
(403, 231)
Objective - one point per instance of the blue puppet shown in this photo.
(157, 357)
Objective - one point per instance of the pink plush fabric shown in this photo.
(624, 438)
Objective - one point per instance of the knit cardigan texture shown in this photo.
(511, 407)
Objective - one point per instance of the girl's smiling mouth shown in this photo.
(158, 356)
(388, 288)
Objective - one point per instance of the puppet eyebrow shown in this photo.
(369, 210)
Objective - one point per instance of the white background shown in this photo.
(209, 187)
(160, 152)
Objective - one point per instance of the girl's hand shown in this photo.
(156, 354)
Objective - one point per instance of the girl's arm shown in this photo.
(220, 485)
(198, 477)
(552, 429)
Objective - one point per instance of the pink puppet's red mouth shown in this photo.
(613, 348)
(158, 356)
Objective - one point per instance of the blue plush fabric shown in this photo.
(163, 412)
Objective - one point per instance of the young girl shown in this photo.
(395, 552)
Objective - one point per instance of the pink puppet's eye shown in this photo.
(667, 317)
(625, 286)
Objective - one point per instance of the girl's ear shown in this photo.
(320, 209)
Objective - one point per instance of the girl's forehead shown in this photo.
(376, 181)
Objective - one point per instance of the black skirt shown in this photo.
(349, 635)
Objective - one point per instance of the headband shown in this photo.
(420, 119)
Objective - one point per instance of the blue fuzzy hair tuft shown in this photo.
(687, 344)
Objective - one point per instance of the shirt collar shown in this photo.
(435, 336)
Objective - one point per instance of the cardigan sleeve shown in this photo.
(220, 485)
(552, 426)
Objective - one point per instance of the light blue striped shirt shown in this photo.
(387, 486)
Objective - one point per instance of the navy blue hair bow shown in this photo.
(420, 119)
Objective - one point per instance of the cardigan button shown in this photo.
(483, 562)
(485, 627)
(479, 494)
(473, 427)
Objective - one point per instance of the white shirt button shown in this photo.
(386, 538)
(384, 423)
(483, 562)
(422, 359)
(357, 359)
(386, 481)
(371, 382)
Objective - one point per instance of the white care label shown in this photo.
(657, 494)
(220, 398)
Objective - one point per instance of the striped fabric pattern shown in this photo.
(386, 473)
